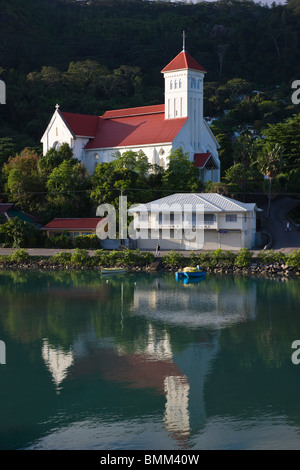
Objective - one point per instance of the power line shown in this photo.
(71, 191)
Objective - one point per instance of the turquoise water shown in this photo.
(144, 362)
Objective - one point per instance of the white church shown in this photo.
(154, 130)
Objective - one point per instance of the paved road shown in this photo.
(282, 239)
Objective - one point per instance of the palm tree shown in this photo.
(270, 162)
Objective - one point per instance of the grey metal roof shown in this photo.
(212, 202)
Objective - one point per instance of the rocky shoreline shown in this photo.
(276, 269)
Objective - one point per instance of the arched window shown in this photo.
(56, 145)
(175, 84)
(171, 85)
(198, 84)
(180, 83)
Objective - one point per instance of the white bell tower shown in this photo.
(184, 92)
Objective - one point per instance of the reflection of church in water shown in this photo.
(178, 374)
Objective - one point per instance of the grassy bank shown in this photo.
(265, 262)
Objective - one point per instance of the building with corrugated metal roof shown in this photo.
(204, 221)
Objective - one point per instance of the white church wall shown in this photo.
(57, 132)
(156, 154)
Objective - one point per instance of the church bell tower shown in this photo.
(184, 92)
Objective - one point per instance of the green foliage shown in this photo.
(286, 135)
(23, 183)
(61, 241)
(243, 258)
(181, 174)
(7, 149)
(87, 241)
(67, 190)
(237, 174)
(18, 233)
(19, 256)
(174, 259)
(213, 259)
(62, 258)
(122, 258)
(80, 257)
(270, 256)
(293, 259)
(54, 158)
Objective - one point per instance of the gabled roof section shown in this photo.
(73, 224)
(200, 159)
(82, 125)
(183, 61)
(212, 203)
(135, 127)
(117, 113)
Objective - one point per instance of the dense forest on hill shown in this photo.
(95, 55)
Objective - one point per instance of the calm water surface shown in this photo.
(144, 362)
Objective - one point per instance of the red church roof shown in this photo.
(73, 224)
(135, 126)
(125, 127)
(116, 113)
(183, 61)
(81, 124)
(200, 159)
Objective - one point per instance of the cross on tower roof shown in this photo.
(183, 41)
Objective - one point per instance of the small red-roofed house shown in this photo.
(75, 226)
(154, 130)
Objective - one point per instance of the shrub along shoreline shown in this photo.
(266, 263)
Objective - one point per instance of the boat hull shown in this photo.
(113, 271)
(182, 274)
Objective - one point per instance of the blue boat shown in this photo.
(190, 273)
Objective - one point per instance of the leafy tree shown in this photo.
(244, 150)
(7, 149)
(287, 135)
(181, 174)
(68, 186)
(23, 183)
(237, 174)
(134, 161)
(54, 158)
(108, 182)
(270, 162)
(18, 233)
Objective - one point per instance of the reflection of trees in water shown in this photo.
(269, 339)
(61, 306)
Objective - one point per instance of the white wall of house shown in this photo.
(233, 232)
